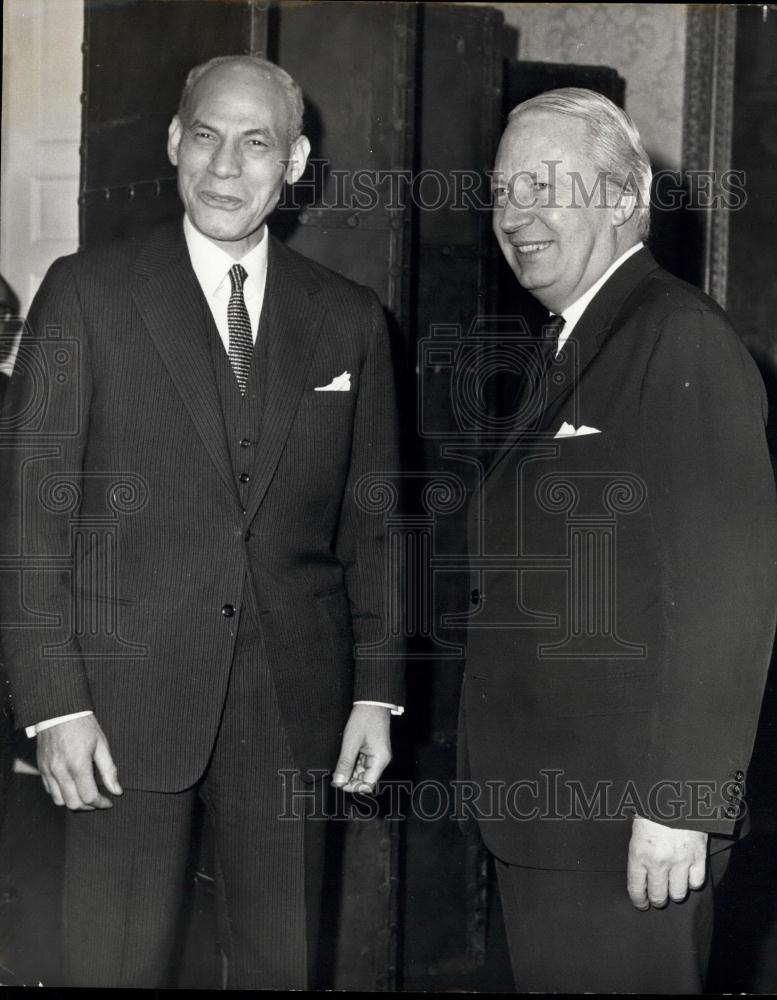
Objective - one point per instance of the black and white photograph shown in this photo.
(388, 523)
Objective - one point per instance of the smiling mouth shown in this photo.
(219, 200)
(528, 249)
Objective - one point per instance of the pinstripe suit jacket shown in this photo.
(127, 540)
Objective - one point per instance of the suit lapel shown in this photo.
(294, 314)
(589, 335)
(170, 301)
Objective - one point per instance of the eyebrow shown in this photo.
(260, 131)
(504, 176)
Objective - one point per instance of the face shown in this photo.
(550, 213)
(233, 155)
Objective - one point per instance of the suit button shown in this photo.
(244, 477)
(245, 443)
(475, 597)
(739, 776)
(736, 790)
(228, 610)
(732, 812)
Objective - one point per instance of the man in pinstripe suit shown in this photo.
(214, 645)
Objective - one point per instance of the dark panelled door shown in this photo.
(136, 57)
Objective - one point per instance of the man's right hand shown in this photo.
(67, 756)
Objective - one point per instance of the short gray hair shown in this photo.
(291, 90)
(614, 143)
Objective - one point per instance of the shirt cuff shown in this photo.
(395, 709)
(48, 723)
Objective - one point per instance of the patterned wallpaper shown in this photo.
(644, 42)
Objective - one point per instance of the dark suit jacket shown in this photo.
(124, 508)
(626, 659)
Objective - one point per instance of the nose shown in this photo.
(515, 212)
(225, 161)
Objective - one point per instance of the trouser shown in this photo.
(126, 867)
(577, 931)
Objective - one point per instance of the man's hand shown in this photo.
(67, 756)
(366, 749)
(664, 863)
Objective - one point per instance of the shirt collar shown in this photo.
(573, 313)
(211, 264)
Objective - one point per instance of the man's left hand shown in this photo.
(664, 863)
(366, 749)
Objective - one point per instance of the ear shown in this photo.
(174, 134)
(624, 208)
(298, 158)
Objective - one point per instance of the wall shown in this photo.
(644, 42)
(42, 84)
(41, 125)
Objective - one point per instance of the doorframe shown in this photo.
(707, 127)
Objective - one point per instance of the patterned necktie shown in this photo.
(241, 345)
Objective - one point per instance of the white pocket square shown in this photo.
(340, 384)
(568, 431)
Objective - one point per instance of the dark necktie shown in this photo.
(528, 401)
(547, 345)
(550, 334)
(241, 346)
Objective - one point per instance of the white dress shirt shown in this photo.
(573, 313)
(211, 266)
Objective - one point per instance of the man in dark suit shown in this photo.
(197, 573)
(627, 578)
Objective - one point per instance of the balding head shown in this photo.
(289, 91)
(233, 147)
